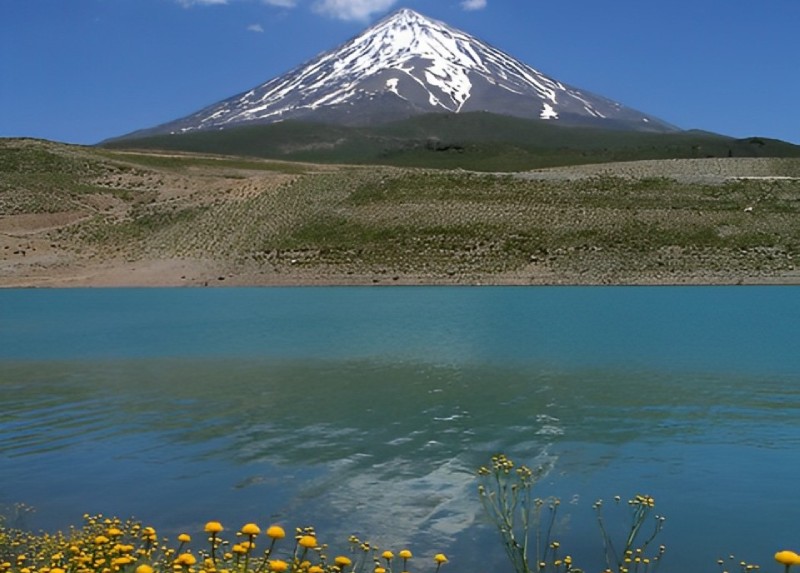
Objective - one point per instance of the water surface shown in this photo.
(366, 410)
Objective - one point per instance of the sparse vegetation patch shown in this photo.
(642, 222)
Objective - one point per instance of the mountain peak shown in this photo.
(404, 65)
(407, 15)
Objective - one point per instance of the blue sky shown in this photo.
(81, 71)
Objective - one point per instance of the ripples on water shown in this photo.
(385, 450)
(371, 417)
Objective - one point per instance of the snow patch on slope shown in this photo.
(548, 112)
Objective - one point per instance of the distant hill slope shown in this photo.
(73, 215)
(477, 141)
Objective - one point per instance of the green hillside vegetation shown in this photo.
(698, 220)
(475, 141)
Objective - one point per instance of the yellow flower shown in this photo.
(787, 558)
(405, 554)
(213, 527)
(276, 532)
(238, 549)
(101, 539)
(113, 532)
(278, 566)
(144, 569)
(440, 558)
(388, 555)
(186, 559)
(315, 569)
(184, 538)
(307, 541)
(342, 561)
(251, 529)
(379, 570)
(56, 570)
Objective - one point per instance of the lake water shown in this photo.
(367, 410)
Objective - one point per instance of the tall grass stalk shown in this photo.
(632, 555)
(506, 495)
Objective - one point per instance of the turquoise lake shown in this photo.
(367, 410)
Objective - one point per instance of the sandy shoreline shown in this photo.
(42, 270)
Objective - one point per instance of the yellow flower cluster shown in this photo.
(643, 500)
(501, 463)
(745, 567)
(109, 545)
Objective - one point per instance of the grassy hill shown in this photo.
(475, 141)
(71, 213)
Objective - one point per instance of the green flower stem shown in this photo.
(250, 538)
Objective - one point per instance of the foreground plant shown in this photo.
(631, 555)
(109, 545)
(744, 566)
(525, 523)
(787, 559)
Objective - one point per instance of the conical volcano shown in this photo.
(406, 65)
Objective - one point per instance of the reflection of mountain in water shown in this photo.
(377, 449)
(349, 442)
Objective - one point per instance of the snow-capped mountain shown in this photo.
(404, 65)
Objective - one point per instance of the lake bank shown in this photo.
(42, 269)
(72, 216)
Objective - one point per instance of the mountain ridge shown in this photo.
(475, 140)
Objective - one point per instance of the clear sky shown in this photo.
(80, 71)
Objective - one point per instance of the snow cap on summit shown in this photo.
(407, 64)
